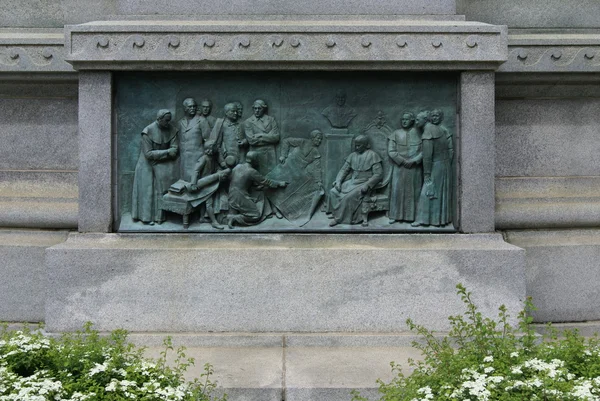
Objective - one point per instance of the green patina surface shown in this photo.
(403, 179)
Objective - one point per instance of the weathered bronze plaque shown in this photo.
(286, 151)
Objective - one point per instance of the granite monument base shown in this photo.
(348, 283)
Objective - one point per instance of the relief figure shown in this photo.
(204, 113)
(435, 200)
(247, 202)
(261, 135)
(227, 133)
(361, 172)
(339, 115)
(301, 168)
(156, 169)
(404, 150)
(193, 132)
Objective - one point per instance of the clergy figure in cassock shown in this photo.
(361, 172)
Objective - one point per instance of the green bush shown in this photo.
(489, 360)
(86, 366)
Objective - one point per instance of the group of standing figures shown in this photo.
(229, 170)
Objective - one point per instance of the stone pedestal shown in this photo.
(276, 282)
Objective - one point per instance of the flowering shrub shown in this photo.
(489, 360)
(85, 366)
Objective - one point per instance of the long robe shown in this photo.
(155, 172)
(266, 126)
(365, 169)
(192, 135)
(406, 182)
(435, 202)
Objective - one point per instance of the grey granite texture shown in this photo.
(38, 125)
(56, 13)
(549, 85)
(275, 44)
(532, 13)
(32, 50)
(38, 199)
(244, 374)
(547, 137)
(297, 373)
(23, 283)
(281, 283)
(554, 51)
(547, 202)
(95, 151)
(476, 152)
(562, 273)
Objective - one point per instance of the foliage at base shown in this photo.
(489, 360)
(86, 366)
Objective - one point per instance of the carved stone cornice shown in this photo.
(380, 44)
(553, 52)
(38, 51)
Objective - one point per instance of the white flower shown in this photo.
(488, 358)
(514, 354)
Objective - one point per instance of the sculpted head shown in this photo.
(190, 107)
(422, 119)
(163, 118)
(231, 111)
(259, 107)
(240, 109)
(340, 98)
(205, 107)
(210, 148)
(361, 143)
(316, 137)
(436, 116)
(408, 120)
(252, 158)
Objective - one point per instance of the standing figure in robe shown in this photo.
(435, 202)
(404, 150)
(156, 169)
(365, 169)
(193, 132)
(261, 135)
(204, 113)
(248, 207)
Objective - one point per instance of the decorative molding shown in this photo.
(284, 44)
(560, 52)
(40, 51)
(547, 202)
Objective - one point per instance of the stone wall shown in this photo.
(547, 150)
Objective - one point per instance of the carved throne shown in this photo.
(378, 200)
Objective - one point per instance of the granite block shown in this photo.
(563, 272)
(547, 137)
(476, 152)
(23, 283)
(38, 199)
(532, 13)
(95, 151)
(275, 282)
(57, 13)
(244, 374)
(547, 202)
(39, 126)
(314, 374)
